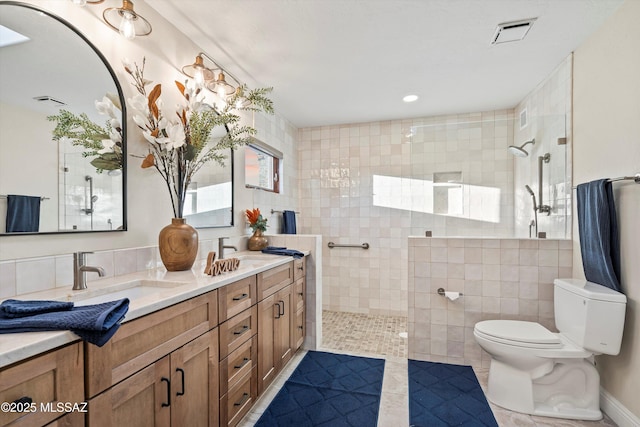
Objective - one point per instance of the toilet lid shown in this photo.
(524, 333)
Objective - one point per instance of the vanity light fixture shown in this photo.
(214, 78)
(125, 20)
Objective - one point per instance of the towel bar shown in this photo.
(332, 245)
(635, 178)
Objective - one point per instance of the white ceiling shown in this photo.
(348, 61)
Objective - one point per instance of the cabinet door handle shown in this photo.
(181, 393)
(278, 313)
(244, 362)
(245, 397)
(241, 297)
(242, 330)
(168, 403)
(281, 302)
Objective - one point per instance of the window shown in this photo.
(263, 167)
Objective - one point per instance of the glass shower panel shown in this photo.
(461, 176)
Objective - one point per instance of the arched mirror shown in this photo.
(62, 129)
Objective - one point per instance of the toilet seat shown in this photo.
(518, 333)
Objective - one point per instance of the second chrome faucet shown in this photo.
(80, 269)
(222, 247)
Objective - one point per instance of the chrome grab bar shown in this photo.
(332, 245)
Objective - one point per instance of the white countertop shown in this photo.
(183, 285)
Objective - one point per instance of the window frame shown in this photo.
(276, 165)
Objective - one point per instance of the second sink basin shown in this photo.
(132, 290)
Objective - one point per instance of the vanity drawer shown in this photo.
(271, 281)
(298, 332)
(237, 330)
(298, 295)
(142, 341)
(237, 402)
(53, 377)
(236, 297)
(239, 363)
(299, 268)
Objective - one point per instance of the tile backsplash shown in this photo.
(26, 275)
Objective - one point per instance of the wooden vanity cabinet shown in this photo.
(275, 319)
(238, 365)
(180, 389)
(298, 326)
(56, 376)
(142, 341)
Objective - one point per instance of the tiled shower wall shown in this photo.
(499, 279)
(356, 187)
(549, 117)
(337, 166)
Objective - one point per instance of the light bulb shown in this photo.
(127, 28)
(221, 92)
(79, 2)
(199, 77)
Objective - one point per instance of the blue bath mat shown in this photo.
(441, 394)
(328, 390)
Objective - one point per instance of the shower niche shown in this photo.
(448, 194)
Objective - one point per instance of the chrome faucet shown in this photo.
(80, 270)
(222, 247)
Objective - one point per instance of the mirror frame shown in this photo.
(123, 123)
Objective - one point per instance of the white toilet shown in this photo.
(538, 372)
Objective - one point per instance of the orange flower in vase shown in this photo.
(258, 224)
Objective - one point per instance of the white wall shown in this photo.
(606, 124)
(166, 51)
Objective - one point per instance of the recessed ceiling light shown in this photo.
(410, 98)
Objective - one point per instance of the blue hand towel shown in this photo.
(598, 227)
(14, 308)
(278, 250)
(288, 222)
(94, 323)
(23, 214)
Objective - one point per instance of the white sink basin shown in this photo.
(133, 290)
(251, 261)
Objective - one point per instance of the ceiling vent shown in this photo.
(512, 31)
(47, 100)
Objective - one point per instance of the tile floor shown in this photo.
(379, 336)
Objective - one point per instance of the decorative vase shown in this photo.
(178, 243)
(257, 241)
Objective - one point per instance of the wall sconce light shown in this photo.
(125, 20)
(214, 79)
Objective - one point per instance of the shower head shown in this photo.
(529, 190)
(94, 199)
(520, 151)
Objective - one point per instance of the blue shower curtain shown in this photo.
(598, 227)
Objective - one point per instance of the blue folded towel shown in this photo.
(598, 227)
(14, 308)
(288, 222)
(279, 250)
(93, 323)
(23, 214)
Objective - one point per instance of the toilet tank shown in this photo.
(590, 315)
